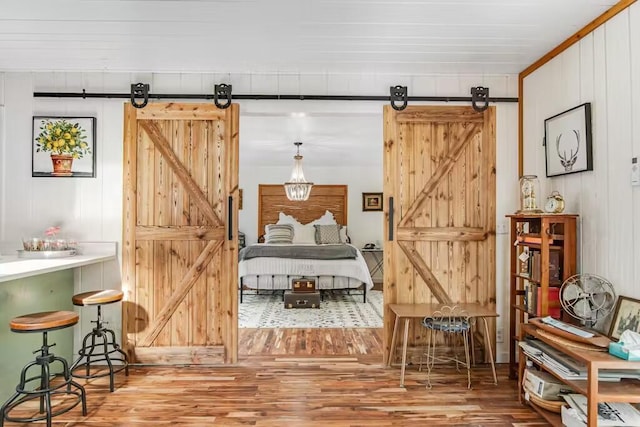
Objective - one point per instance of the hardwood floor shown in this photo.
(302, 388)
(310, 342)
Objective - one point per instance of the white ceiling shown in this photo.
(328, 139)
(356, 37)
(293, 36)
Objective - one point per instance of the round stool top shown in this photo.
(106, 296)
(45, 321)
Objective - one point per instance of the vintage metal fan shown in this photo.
(587, 297)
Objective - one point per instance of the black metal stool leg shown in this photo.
(88, 355)
(68, 378)
(47, 396)
(43, 386)
(105, 343)
(119, 350)
(93, 354)
(7, 405)
(44, 391)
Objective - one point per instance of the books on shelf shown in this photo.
(554, 266)
(555, 361)
(532, 267)
(533, 299)
(555, 263)
(565, 366)
(553, 300)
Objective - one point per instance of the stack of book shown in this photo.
(566, 367)
(533, 299)
(535, 267)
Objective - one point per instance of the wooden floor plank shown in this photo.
(310, 341)
(299, 390)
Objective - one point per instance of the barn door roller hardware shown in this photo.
(138, 90)
(398, 94)
(480, 94)
(222, 91)
(140, 96)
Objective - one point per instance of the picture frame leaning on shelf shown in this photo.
(626, 316)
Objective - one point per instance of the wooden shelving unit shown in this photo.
(544, 233)
(626, 390)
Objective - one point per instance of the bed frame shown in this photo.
(272, 200)
(316, 278)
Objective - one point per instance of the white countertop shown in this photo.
(12, 267)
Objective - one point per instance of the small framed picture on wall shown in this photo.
(371, 202)
(63, 147)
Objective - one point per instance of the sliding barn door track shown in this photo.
(222, 96)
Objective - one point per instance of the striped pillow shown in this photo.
(329, 233)
(279, 233)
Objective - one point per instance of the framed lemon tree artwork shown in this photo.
(63, 147)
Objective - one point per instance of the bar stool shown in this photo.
(106, 349)
(43, 322)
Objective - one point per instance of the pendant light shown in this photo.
(298, 188)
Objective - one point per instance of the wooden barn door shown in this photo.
(180, 233)
(439, 168)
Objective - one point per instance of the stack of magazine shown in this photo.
(609, 414)
(566, 367)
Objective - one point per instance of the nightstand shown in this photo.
(375, 261)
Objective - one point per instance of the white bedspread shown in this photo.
(354, 269)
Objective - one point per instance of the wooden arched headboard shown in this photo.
(272, 200)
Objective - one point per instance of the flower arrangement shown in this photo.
(49, 243)
(52, 231)
(62, 138)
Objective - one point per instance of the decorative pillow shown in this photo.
(343, 235)
(298, 232)
(305, 234)
(329, 233)
(279, 233)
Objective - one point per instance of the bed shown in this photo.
(273, 266)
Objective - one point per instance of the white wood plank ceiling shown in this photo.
(287, 36)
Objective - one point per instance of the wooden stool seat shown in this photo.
(45, 321)
(106, 296)
(100, 344)
(35, 378)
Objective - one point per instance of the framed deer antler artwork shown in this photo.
(568, 141)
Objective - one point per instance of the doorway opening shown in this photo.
(341, 149)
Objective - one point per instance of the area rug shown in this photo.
(337, 310)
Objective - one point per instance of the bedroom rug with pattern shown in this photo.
(337, 310)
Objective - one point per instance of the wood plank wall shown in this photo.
(602, 68)
(272, 200)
